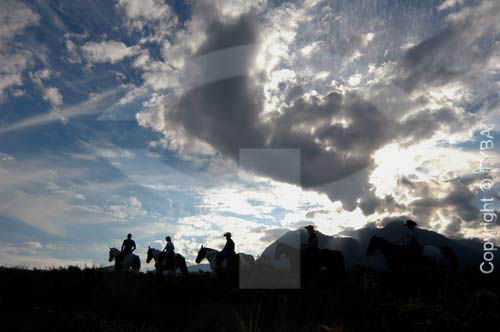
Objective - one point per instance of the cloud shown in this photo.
(154, 19)
(13, 255)
(457, 52)
(15, 17)
(452, 207)
(32, 209)
(39, 76)
(5, 159)
(34, 244)
(96, 103)
(147, 9)
(226, 115)
(51, 190)
(329, 128)
(450, 3)
(427, 123)
(52, 95)
(49, 93)
(108, 51)
(133, 208)
(337, 132)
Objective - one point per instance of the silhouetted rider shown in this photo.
(310, 249)
(128, 247)
(410, 239)
(227, 252)
(169, 252)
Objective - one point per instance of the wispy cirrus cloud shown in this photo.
(96, 103)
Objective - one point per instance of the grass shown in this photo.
(94, 300)
(252, 325)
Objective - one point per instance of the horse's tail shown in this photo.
(182, 265)
(450, 256)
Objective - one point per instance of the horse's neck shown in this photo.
(156, 253)
(211, 255)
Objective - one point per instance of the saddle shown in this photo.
(230, 261)
(167, 260)
(119, 259)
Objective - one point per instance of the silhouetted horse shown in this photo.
(242, 261)
(331, 260)
(161, 260)
(129, 262)
(398, 256)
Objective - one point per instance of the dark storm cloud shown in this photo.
(460, 200)
(244, 31)
(391, 219)
(336, 134)
(457, 52)
(428, 62)
(225, 114)
(454, 227)
(370, 204)
(424, 124)
(334, 150)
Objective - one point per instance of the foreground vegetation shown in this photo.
(93, 300)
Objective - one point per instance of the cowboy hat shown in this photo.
(410, 223)
(227, 234)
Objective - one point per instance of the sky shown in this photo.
(190, 118)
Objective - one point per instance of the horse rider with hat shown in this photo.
(169, 253)
(310, 249)
(410, 239)
(227, 252)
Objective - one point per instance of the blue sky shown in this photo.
(192, 118)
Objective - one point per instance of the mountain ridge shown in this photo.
(353, 244)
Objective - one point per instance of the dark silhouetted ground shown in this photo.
(91, 300)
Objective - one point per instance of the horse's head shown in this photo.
(150, 255)
(372, 246)
(202, 253)
(113, 252)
